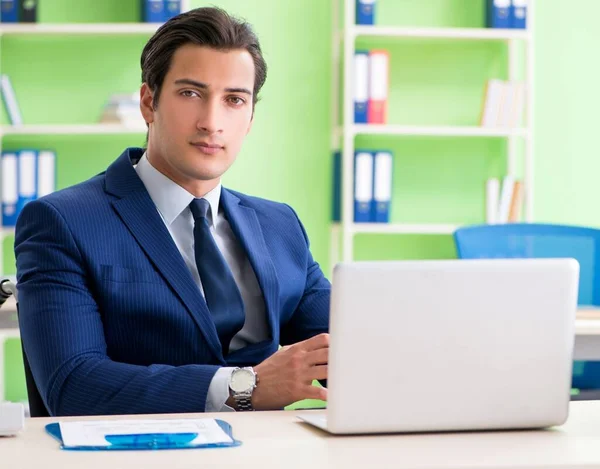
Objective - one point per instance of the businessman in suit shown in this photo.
(151, 288)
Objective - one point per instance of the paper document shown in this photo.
(93, 432)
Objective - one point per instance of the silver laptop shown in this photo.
(450, 345)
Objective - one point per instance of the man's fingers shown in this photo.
(314, 392)
(317, 357)
(317, 372)
(317, 342)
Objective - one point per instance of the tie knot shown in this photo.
(199, 208)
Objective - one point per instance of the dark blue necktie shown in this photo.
(220, 290)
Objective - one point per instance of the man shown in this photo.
(150, 288)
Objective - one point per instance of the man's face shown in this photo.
(204, 112)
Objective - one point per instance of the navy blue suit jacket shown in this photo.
(111, 319)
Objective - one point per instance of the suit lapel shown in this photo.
(245, 225)
(138, 212)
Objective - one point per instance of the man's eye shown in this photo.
(189, 93)
(236, 100)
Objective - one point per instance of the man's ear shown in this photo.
(146, 103)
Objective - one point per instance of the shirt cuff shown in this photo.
(218, 391)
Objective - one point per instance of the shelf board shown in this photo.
(442, 33)
(403, 228)
(79, 28)
(70, 129)
(437, 131)
(7, 230)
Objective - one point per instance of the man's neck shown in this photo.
(195, 187)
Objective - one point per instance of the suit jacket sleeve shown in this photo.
(311, 317)
(63, 338)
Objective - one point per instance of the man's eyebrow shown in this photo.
(199, 84)
(187, 81)
(239, 90)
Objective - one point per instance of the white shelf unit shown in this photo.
(77, 28)
(343, 41)
(70, 129)
(67, 29)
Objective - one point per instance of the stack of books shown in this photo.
(123, 109)
(504, 204)
(503, 104)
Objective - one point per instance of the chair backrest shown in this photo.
(517, 240)
(37, 408)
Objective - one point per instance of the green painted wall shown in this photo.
(286, 157)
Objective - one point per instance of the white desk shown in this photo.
(278, 440)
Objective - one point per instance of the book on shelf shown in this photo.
(10, 100)
(172, 8)
(518, 14)
(503, 104)
(378, 86)
(9, 11)
(361, 86)
(382, 186)
(498, 14)
(28, 11)
(365, 11)
(504, 202)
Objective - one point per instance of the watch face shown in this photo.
(242, 381)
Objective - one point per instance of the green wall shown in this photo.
(286, 157)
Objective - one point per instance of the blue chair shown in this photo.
(518, 240)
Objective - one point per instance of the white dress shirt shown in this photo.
(172, 202)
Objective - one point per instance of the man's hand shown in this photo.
(286, 376)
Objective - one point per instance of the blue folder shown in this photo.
(519, 14)
(172, 8)
(147, 441)
(365, 11)
(153, 11)
(9, 11)
(498, 13)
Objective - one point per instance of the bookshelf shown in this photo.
(26, 34)
(344, 131)
(70, 129)
(82, 28)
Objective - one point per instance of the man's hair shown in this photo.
(208, 26)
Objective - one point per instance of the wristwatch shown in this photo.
(242, 384)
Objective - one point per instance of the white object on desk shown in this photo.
(12, 419)
(94, 432)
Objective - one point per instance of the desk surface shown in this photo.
(278, 439)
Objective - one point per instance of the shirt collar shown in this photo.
(169, 197)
